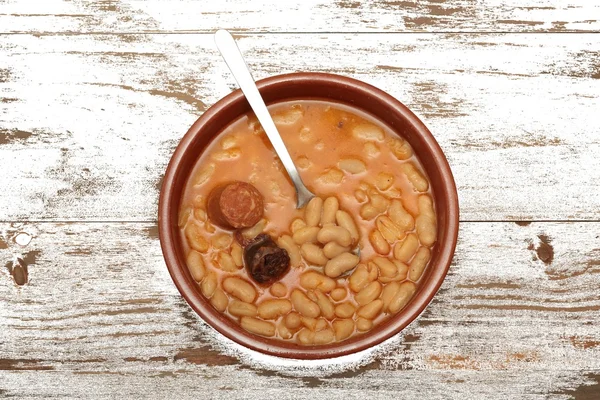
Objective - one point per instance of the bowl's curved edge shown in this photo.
(187, 287)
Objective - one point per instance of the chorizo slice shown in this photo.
(235, 205)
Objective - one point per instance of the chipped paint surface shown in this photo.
(95, 95)
(514, 105)
(308, 16)
(110, 305)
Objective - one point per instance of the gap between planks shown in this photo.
(262, 33)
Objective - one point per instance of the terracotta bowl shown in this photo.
(325, 87)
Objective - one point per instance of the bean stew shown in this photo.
(344, 263)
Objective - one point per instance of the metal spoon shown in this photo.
(238, 67)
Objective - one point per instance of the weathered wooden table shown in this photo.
(94, 96)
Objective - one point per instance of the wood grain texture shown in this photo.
(143, 16)
(89, 122)
(95, 95)
(100, 317)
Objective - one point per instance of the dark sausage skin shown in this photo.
(235, 205)
(265, 261)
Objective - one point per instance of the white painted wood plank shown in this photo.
(100, 316)
(88, 123)
(185, 384)
(300, 16)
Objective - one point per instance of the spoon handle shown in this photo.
(234, 60)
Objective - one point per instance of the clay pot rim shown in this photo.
(171, 192)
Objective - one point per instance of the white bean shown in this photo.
(384, 181)
(258, 327)
(306, 336)
(225, 262)
(238, 254)
(289, 116)
(293, 320)
(426, 229)
(221, 241)
(312, 213)
(362, 276)
(419, 263)
(346, 221)
(373, 272)
(239, 308)
(287, 243)
(400, 216)
(345, 310)
(304, 305)
(278, 289)
(204, 174)
(388, 293)
(326, 306)
(200, 214)
(371, 310)
(386, 267)
(195, 238)
(306, 235)
(404, 294)
(313, 280)
(183, 217)
(274, 308)
(198, 201)
(195, 264)
(368, 211)
(321, 324)
(380, 245)
(229, 154)
(239, 288)
(400, 275)
(405, 250)
(340, 264)
(363, 324)
(310, 323)
(255, 230)
(352, 165)
(371, 150)
(336, 234)
(208, 227)
(219, 300)
(331, 177)
(368, 131)
(297, 224)
(330, 207)
(313, 254)
(380, 202)
(360, 196)
(332, 249)
(400, 148)
(284, 332)
(228, 142)
(415, 177)
(343, 328)
(369, 293)
(305, 134)
(303, 162)
(311, 295)
(323, 336)
(338, 294)
(209, 284)
(388, 229)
